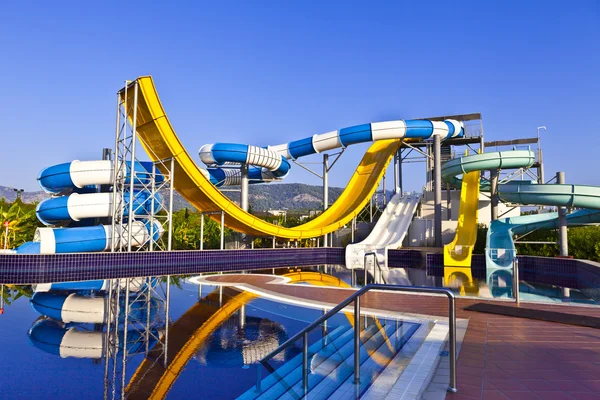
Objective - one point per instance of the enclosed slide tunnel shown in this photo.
(75, 203)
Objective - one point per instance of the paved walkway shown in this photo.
(501, 357)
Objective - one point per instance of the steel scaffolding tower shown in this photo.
(138, 222)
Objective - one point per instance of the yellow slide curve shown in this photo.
(458, 253)
(161, 143)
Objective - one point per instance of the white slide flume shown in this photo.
(388, 233)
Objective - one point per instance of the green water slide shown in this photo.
(500, 247)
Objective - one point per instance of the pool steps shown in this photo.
(324, 380)
(289, 366)
(371, 369)
(331, 349)
(331, 364)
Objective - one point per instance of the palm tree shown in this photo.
(18, 225)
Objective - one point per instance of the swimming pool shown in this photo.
(215, 336)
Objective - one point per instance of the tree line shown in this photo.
(584, 242)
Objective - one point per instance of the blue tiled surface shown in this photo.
(32, 269)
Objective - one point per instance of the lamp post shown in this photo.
(18, 192)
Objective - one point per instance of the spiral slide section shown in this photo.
(388, 233)
(160, 141)
(80, 206)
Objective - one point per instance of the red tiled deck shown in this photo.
(501, 357)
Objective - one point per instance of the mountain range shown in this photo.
(262, 197)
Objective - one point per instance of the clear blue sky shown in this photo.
(270, 72)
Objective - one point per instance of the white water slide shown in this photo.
(388, 233)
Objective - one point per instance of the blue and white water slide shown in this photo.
(78, 341)
(81, 204)
(76, 202)
(271, 163)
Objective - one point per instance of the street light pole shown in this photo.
(18, 192)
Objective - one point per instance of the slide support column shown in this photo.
(562, 221)
(437, 165)
(222, 230)
(563, 238)
(325, 189)
(399, 154)
(201, 231)
(494, 193)
(383, 191)
(244, 187)
(396, 175)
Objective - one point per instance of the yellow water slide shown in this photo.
(161, 143)
(458, 253)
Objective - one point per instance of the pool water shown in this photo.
(468, 283)
(215, 338)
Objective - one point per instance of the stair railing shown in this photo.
(375, 264)
(355, 298)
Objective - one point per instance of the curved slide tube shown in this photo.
(274, 159)
(87, 239)
(500, 244)
(160, 141)
(56, 338)
(388, 233)
(73, 307)
(80, 174)
(77, 207)
(100, 285)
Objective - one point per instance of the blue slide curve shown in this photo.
(271, 162)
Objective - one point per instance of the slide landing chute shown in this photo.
(388, 233)
(161, 143)
(458, 253)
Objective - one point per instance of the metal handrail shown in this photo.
(356, 299)
(375, 263)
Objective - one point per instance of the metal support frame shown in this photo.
(127, 328)
(325, 190)
(124, 294)
(127, 182)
